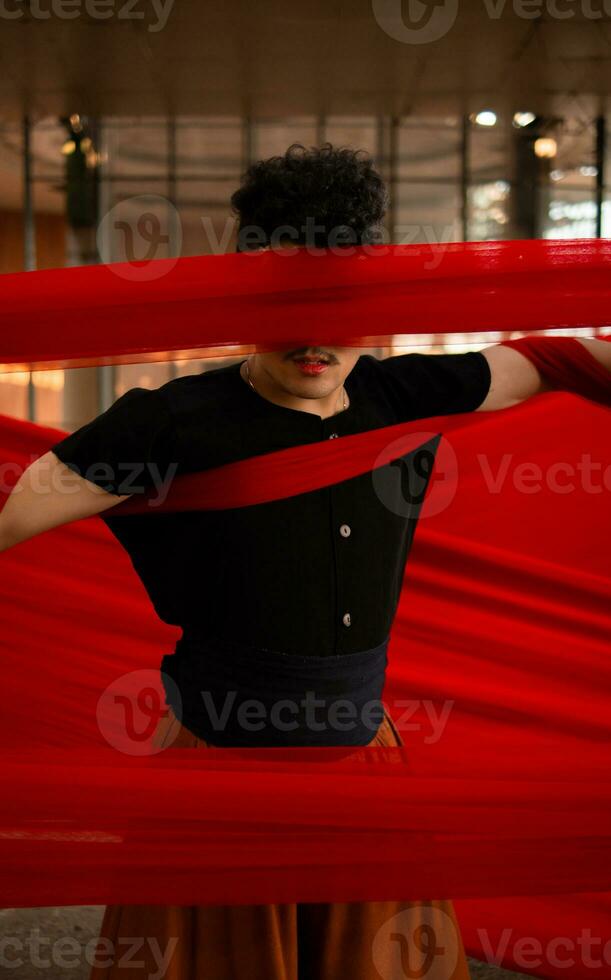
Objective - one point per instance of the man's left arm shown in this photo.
(515, 376)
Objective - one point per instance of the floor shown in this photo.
(53, 943)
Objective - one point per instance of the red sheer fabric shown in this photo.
(499, 683)
(567, 365)
(364, 296)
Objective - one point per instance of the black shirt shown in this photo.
(316, 574)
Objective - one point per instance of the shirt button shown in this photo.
(333, 435)
(345, 531)
(346, 620)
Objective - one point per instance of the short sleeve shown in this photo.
(128, 449)
(423, 385)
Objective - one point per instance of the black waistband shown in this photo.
(233, 695)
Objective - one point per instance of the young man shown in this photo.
(283, 598)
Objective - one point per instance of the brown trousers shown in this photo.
(305, 941)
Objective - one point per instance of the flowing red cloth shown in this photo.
(500, 649)
(567, 365)
(363, 296)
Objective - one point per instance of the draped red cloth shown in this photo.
(501, 798)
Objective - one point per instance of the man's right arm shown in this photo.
(47, 494)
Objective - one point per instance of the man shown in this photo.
(285, 599)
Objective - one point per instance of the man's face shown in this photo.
(308, 372)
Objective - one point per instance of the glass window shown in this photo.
(427, 212)
(143, 375)
(139, 223)
(48, 397)
(489, 152)
(273, 137)
(357, 133)
(207, 222)
(488, 210)
(136, 147)
(209, 148)
(429, 148)
(14, 394)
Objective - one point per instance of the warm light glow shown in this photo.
(485, 118)
(20, 378)
(523, 118)
(546, 147)
(68, 147)
(53, 380)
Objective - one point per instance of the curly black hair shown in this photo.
(321, 196)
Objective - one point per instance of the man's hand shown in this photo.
(515, 377)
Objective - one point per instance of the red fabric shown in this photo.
(563, 361)
(365, 296)
(567, 365)
(504, 617)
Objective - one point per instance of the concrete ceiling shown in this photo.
(287, 57)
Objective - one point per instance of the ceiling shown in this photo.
(275, 57)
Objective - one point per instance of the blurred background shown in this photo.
(124, 129)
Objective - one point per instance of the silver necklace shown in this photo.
(251, 383)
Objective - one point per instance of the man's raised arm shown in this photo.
(517, 375)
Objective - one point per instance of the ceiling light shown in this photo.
(546, 147)
(523, 118)
(485, 118)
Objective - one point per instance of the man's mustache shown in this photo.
(311, 352)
